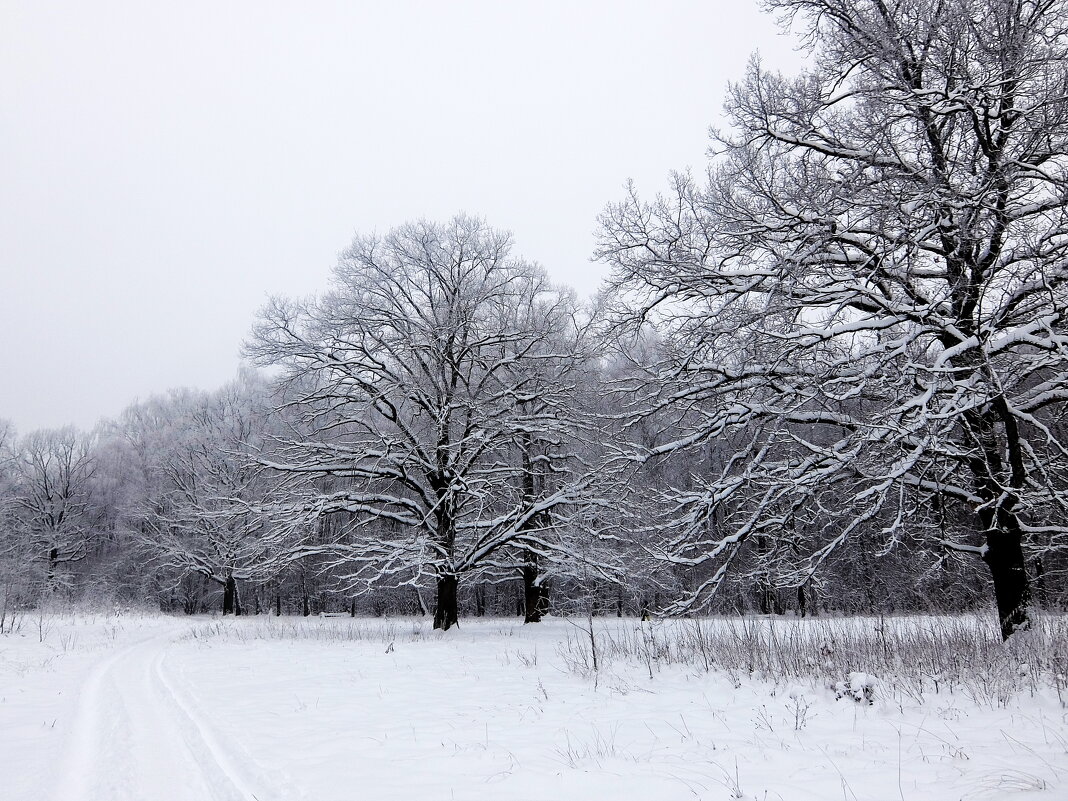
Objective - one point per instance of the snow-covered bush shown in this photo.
(858, 686)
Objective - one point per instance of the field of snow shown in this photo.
(152, 707)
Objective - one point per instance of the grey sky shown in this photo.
(166, 166)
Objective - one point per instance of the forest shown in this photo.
(828, 374)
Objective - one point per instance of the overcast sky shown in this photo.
(168, 165)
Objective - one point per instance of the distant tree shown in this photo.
(201, 512)
(54, 471)
(412, 384)
(14, 556)
(863, 305)
(552, 371)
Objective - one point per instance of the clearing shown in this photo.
(129, 706)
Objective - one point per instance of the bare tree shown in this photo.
(14, 554)
(53, 497)
(865, 300)
(201, 511)
(552, 370)
(412, 383)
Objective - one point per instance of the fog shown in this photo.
(169, 166)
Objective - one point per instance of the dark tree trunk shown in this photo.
(769, 599)
(536, 599)
(535, 593)
(446, 605)
(534, 604)
(231, 600)
(867, 576)
(1004, 535)
(305, 601)
(802, 602)
(480, 600)
(352, 607)
(777, 605)
(446, 610)
(53, 562)
(1012, 591)
(767, 595)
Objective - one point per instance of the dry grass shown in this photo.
(911, 657)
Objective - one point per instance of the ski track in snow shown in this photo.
(138, 735)
(295, 710)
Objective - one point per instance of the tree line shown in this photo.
(829, 373)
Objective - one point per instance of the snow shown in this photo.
(144, 707)
(858, 686)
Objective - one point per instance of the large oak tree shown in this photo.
(864, 303)
(412, 383)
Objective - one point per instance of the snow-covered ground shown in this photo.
(143, 707)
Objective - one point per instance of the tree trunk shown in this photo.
(764, 597)
(767, 594)
(1040, 582)
(480, 600)
(535, 593)
(1012, 591)
(867, 576)
(1004, 535)
(231, 605)
(446, 611)
(535, 600)
(446, 605)
(53, 561)
(420, 604)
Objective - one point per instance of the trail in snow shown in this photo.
(330, 710)
(137, 736)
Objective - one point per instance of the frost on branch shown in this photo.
(862, 304)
